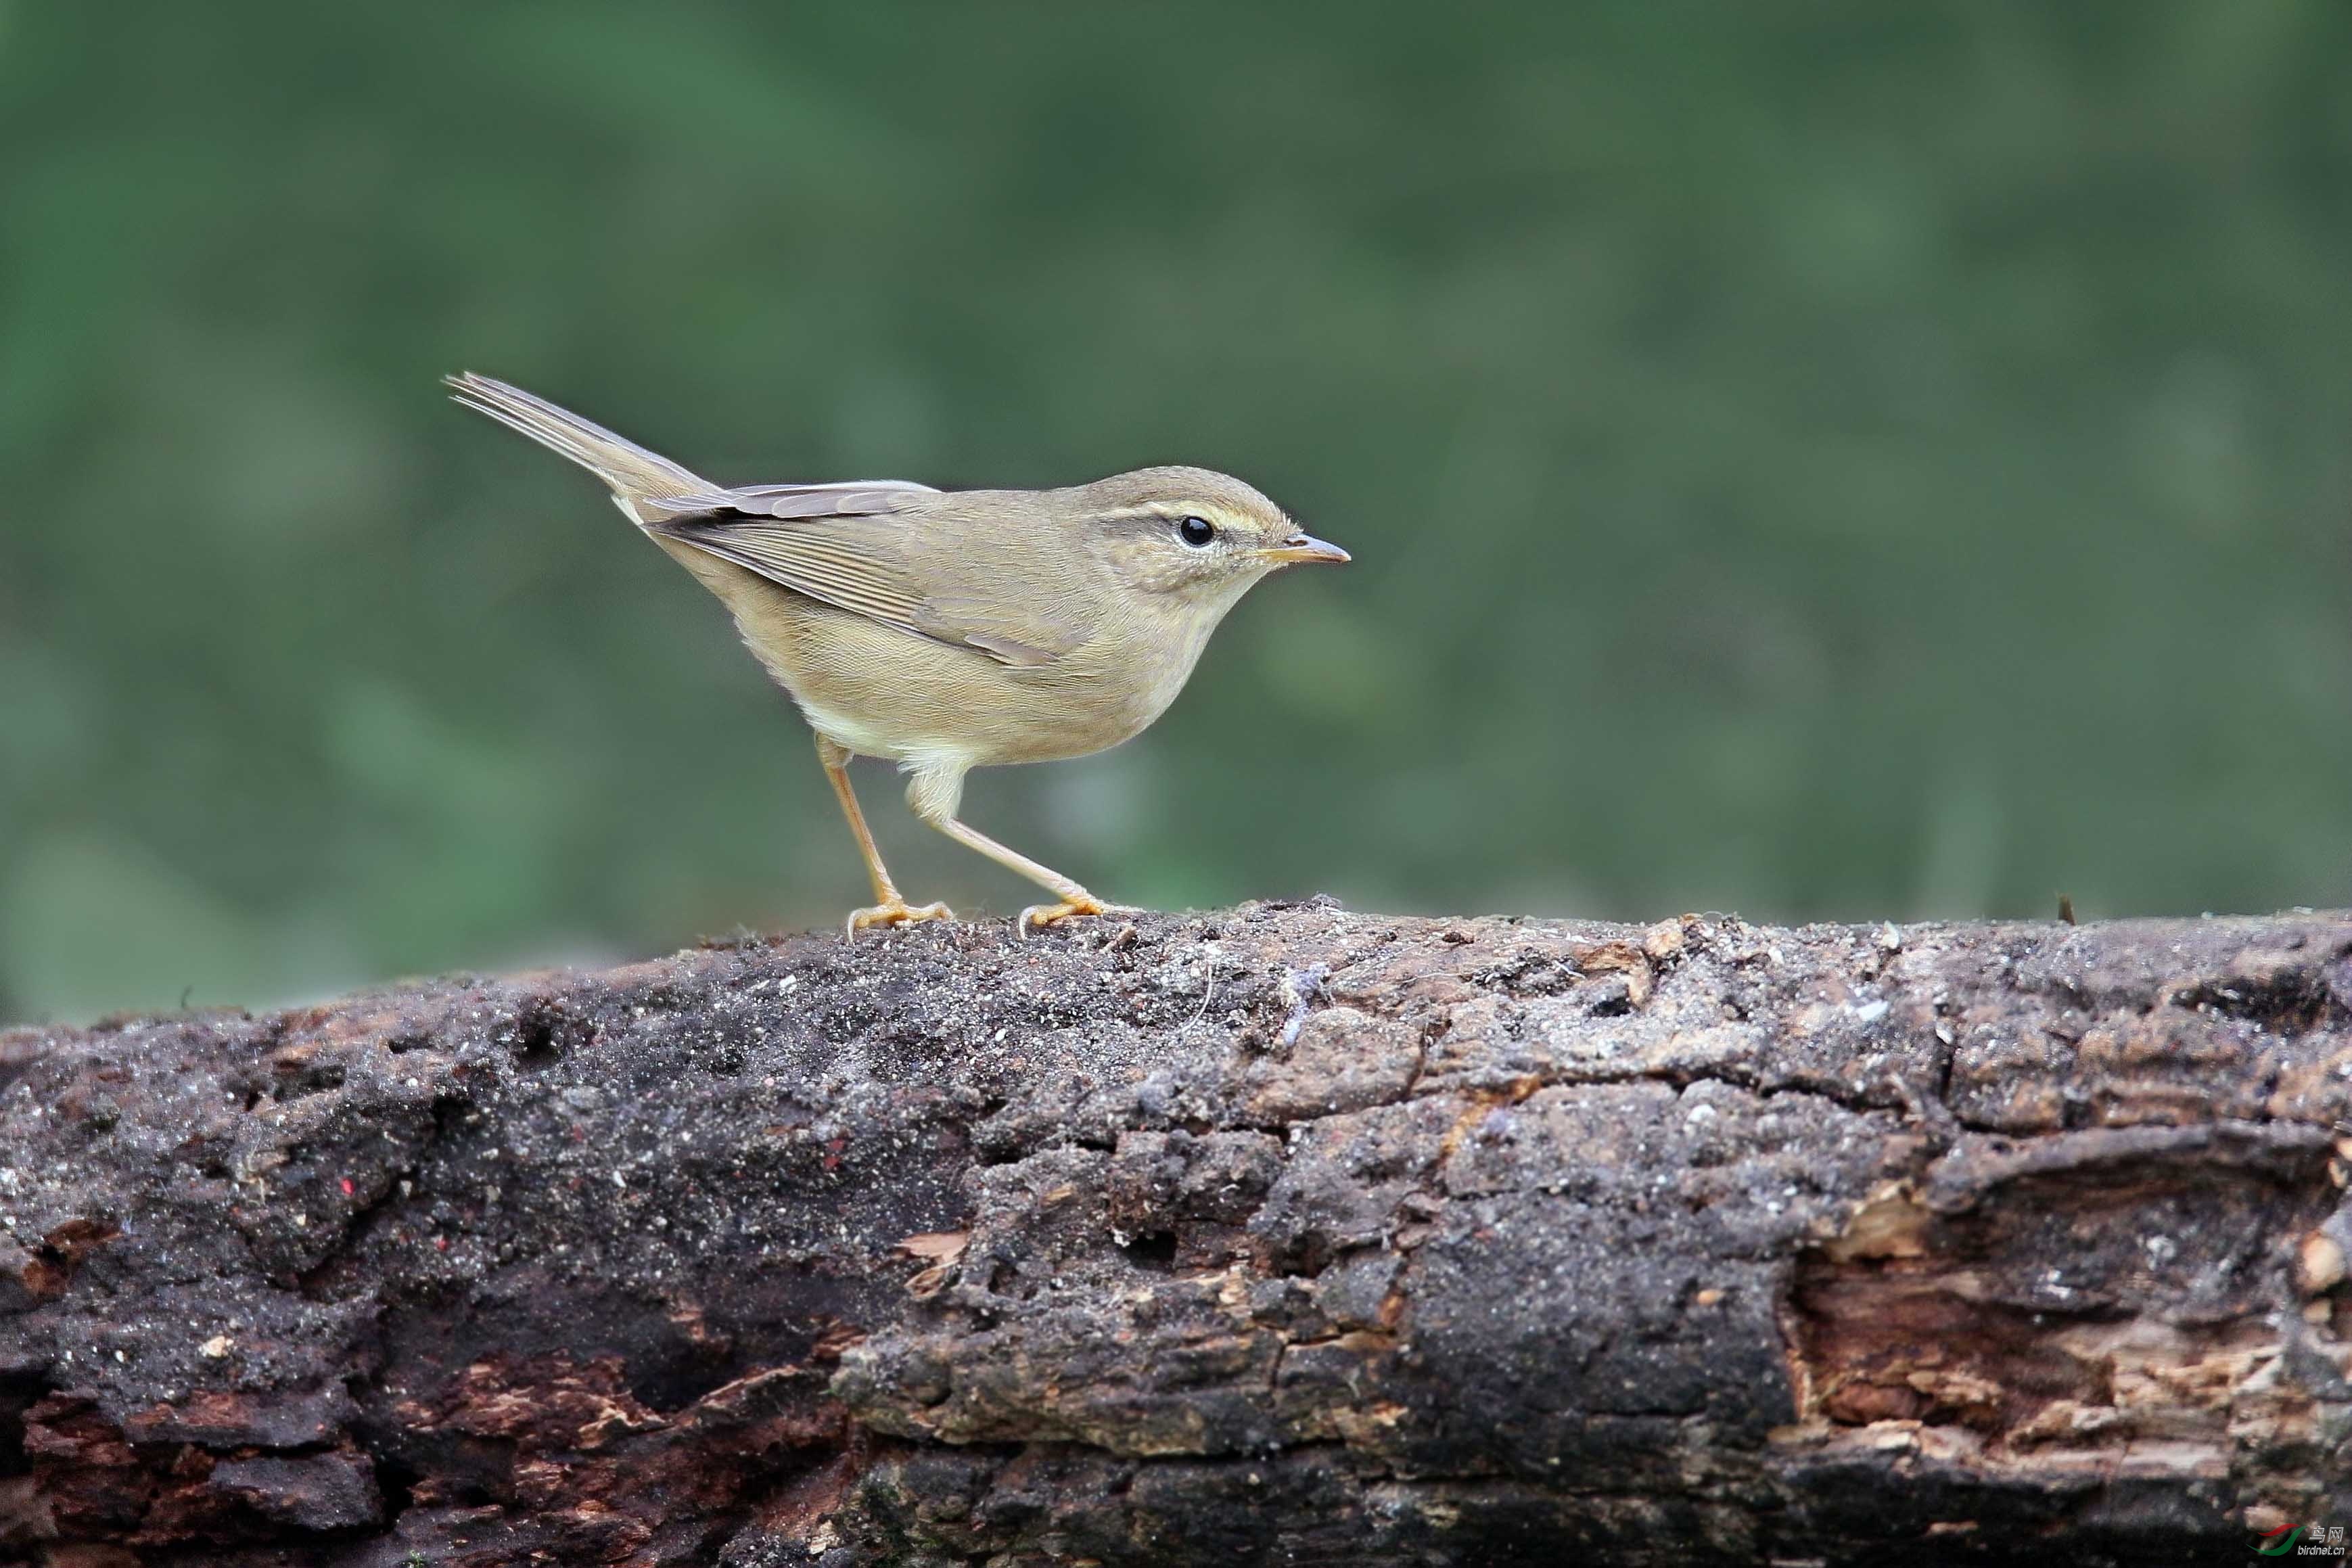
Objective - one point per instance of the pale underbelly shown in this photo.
(882, 692)
(904, 718)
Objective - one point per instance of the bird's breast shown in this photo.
(882, 692)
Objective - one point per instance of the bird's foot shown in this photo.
(1037, 916)
(897, 912)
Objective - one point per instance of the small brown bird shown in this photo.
(948, 631)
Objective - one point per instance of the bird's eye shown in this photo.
(1196, 532)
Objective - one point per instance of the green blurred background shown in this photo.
(1816, 460)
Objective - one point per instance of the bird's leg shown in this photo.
(934, 795)
(1075, 901)
(892, 909)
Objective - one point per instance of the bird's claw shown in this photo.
(1037, 916)
(897, 912)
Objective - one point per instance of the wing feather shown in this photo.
(844, 545)
(852, 498)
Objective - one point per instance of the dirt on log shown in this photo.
(1280, 1235)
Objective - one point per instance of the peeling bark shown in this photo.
(1280, 1235)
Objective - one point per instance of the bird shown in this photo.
(946, 630)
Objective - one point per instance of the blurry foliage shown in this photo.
(1825, 460)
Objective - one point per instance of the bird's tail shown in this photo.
(650, 487)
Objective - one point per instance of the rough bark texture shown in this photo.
(1283, 1235)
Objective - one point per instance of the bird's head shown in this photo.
(1193, 535)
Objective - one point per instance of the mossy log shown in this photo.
(1280, 1235)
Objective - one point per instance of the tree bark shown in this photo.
(1279, 1235)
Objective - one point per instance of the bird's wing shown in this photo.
(849, 498)
(844, 547)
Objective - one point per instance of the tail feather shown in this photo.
(648, 485)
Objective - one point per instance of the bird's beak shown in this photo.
(1304, 547)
